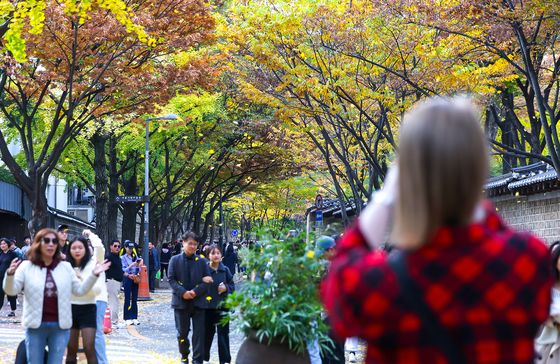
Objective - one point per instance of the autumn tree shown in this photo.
(84, 73)
(522, 116)
(342, 74)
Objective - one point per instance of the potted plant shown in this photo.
(278, 307)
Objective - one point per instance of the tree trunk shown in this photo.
(130, 187)
(40, 214)
(101, 188)
(113, 206)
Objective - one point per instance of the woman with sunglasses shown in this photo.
(47, 283)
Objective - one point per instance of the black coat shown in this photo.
(230, 258)
(180, 282)
(115, 270)
(5, 261)
(222, 274)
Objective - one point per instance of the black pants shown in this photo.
(163, 269)
(152, 280)
(213, 318)
(183, 326)
(11, 299)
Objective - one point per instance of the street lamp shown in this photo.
(145, 254)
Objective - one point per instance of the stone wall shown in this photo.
(539, 213)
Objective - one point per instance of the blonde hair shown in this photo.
(443, 163)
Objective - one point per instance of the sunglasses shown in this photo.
(116, 246)
(48, 241)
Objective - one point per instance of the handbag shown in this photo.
(135, 278)
(437, 334)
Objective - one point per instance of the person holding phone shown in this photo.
(461, 286)
(131, 278)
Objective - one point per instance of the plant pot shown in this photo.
(254, 352)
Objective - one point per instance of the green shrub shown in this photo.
(280, 300)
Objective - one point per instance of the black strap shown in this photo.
(430, 322)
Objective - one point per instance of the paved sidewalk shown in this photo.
(153, 341)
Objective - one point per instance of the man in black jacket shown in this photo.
(189, 276)
(114, 277)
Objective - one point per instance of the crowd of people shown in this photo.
(67, 286)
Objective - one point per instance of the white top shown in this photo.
(89, 297)
(99, 255)
(32, 278)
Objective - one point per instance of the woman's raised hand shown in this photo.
(101, 267)
(13, 266)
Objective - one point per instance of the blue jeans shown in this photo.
(130, 311)
(99, 336)
(50, 335)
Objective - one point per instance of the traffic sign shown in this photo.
(234, 233)
(319, 217)
(129, 199)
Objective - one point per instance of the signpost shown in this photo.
(234, 233)
(319, 217)
(130, 199)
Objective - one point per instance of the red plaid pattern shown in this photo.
(489, 286)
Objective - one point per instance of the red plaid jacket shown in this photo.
(489, 286)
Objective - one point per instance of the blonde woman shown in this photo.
(463, 287)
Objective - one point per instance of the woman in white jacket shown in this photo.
(84, 309)
(49, 283)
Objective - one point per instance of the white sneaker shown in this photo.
(120, 325)
(352, 357)
(135, 322)
(129, 322)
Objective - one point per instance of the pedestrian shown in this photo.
(62, 232)
(131, 271)
(114, 277)
(6, 257)
(547, 344)
(218, 290)
(230, 258)
(47, 283)
(101, 299)
(177, 247)
(84, 309)
(153, 266)
(189, 276)
(25, 248)
(462, 286)
(15, 249)
(166, 254)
